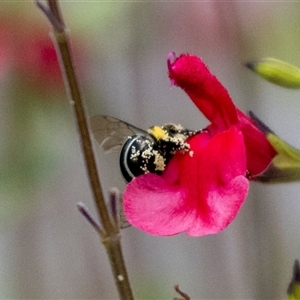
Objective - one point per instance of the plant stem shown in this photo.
(111, 238)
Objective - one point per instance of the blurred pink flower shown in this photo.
(4, 53)
(32, 55)
(200, 191)
(38, 63)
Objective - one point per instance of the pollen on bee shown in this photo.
(157, 132)
(134, 156)
(159, 161)
(144, 168)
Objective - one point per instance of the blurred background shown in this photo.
(47, 249)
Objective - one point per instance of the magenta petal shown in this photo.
(191, 74)
(221, 187)
(200, 193)
(224, 205)
(259, 151)
(154, 206)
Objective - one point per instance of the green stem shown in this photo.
(110, 237)
(85, 140)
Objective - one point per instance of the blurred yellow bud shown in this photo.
(276, 71)
(294, 287)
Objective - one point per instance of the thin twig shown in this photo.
(51, 17)
(110, 235)
(89, 217)
(181, 293)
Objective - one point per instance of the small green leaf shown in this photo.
(294, 286)
(276, 71)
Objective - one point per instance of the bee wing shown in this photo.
(111, 133)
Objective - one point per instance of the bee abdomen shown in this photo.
(140, 155)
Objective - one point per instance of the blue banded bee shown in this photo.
(141, 152)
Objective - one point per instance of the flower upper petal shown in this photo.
(199, 194)
(259, 150)
(208, 94)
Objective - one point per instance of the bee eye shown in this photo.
(171, 129)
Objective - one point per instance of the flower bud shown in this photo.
(294, 287)
(276, 71)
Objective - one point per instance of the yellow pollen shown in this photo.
(157, 132)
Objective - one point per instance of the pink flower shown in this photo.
(5, 52)
(200, 191)
(28, 52)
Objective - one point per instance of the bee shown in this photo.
(141, 152)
